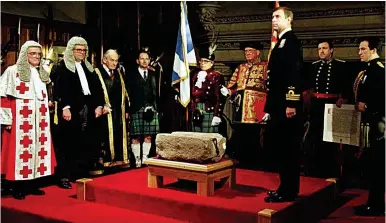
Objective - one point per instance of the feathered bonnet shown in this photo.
(208, 53)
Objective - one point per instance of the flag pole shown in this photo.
(274, 35)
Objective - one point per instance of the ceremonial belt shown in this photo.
(326, 96)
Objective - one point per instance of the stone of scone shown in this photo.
(194, 147)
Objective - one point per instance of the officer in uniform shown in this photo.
(369, 90)
(327, 84)
(283, 113)
(247, 90)
(207, 102)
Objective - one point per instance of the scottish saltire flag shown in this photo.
(184, 56)
(274, 35)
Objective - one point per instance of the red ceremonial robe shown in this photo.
(26, 150)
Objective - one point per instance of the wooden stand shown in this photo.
(204, 175)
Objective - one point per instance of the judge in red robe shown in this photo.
(26, 147)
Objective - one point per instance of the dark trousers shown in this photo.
(77, 146)
(282, 137)
(245, 145)
(321, 158)
(376, 170)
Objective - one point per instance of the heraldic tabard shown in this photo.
(248, 92)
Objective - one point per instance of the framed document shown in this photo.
(341, 125)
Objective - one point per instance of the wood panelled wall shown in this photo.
(342, 22)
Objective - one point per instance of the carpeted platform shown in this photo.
(346, 203)
(60, 205)
(242, 204)
(124, 197)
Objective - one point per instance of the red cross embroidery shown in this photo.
(43, 124)
(42, 153)
(25, 112)
(26, 100)
(25, 127)
(42, 139)
(22, 88)
(44, 95)
(25, 171)
(42, 169)
(43, 109)
(25, 156)
(25, 141)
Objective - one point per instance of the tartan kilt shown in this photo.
(139, 126)
(207, 121)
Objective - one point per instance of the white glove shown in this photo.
(216, 121)
(224, 91)
(176, 98)
(266, 117)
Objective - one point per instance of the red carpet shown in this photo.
(129, 190)
(345, 214)
(124, 197)
(60, 205)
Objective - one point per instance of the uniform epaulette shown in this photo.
(380, 64)
(316, 61)
(340, 60)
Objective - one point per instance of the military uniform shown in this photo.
(369, 88)
(207, 101)
(328, 79)
(283, 91)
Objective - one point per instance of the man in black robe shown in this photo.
(113, 126)
(80, 102)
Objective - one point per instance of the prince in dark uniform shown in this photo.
(283, 106)
(369, 90)
(327, 84)
(142, 90)
(207, 102)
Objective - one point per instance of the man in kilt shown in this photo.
(207, 102)
(142, 90)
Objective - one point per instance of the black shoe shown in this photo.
(276, 198)
(18, 195)
(271, 192)
(37, 191)
(366, 210)
(64, 183)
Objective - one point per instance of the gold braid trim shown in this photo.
(358, 79)
(109, 115)
(123, 107)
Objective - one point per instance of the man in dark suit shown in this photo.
(369, 89)
(142, 89)
(80, 101)
(283, 105)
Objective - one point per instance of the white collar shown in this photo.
(141, 71)
(106, 69)
(284, 31)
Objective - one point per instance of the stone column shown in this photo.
(207, 14)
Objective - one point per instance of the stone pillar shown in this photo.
(207, 14)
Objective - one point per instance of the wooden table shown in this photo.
(203, 174)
